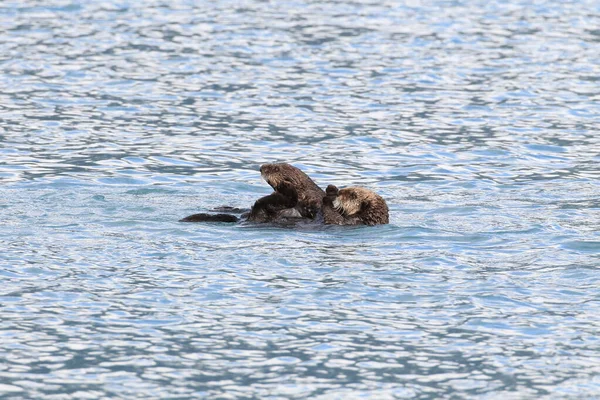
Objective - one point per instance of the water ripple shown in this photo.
(475, 120)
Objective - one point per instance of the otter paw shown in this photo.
(332, 190)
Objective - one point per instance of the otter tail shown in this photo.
(210, 218)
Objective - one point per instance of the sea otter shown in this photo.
(354, 206)
(286, 178)
(295, 196)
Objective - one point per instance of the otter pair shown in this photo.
(298, 196)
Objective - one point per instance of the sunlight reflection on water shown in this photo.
(476, 122)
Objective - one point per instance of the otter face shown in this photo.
(357, 206)
(350, 200)
(276, 173)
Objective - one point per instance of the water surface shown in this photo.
(477, 122)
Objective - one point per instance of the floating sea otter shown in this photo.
(296, 196)
(354, 206)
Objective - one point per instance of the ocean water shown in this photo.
(477, 121)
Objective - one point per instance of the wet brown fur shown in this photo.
(280, 204)
(354, 206)
(310, 195)
(298, 196)
(295, 196)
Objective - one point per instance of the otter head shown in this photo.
(350, 201)
(367, 206)
(277, 173)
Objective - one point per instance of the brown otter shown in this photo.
(295, 196)
(283, 175)
(354, 206)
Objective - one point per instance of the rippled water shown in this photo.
(477, 121)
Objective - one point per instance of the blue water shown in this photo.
(477, 121)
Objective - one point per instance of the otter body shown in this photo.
(296, 196)
(354, 206)
(287, 179)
